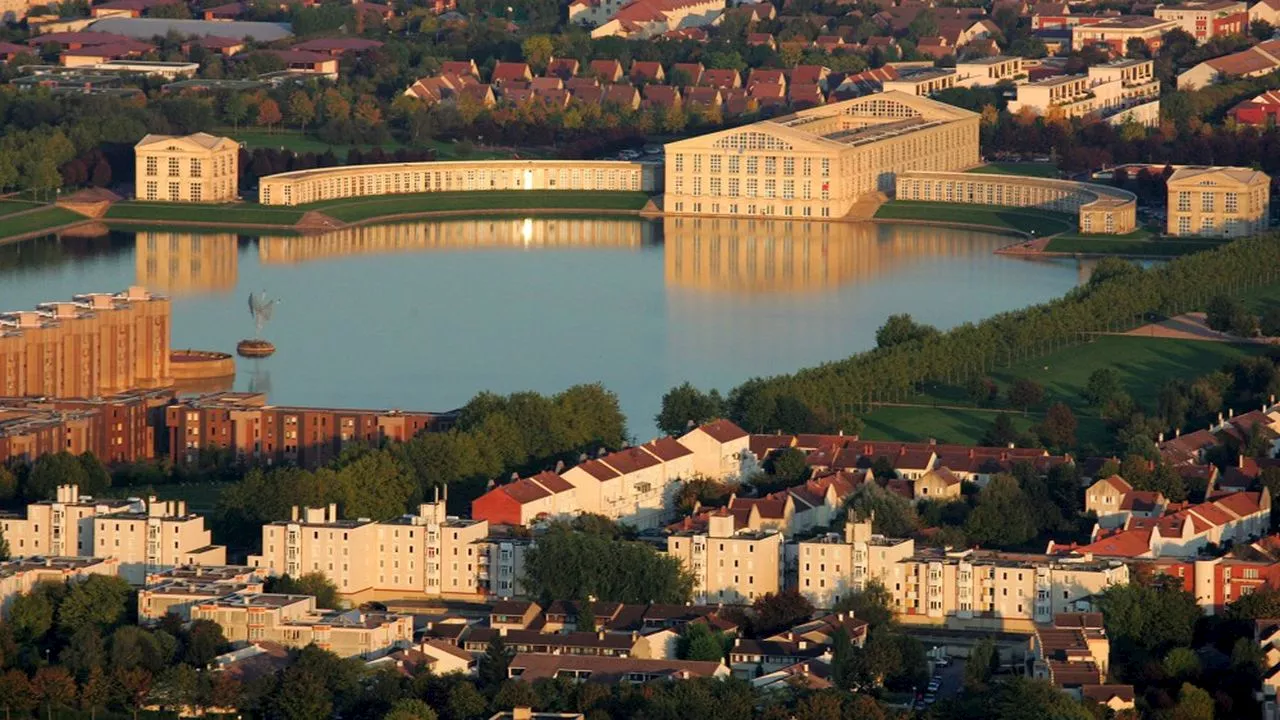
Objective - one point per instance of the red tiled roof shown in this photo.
(504, 71)
(667, 449)
(329, 45)
(630, 460)
(599, 470)
(723, 431)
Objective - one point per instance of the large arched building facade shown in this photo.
(817, 163)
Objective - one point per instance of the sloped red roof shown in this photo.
(723, 431)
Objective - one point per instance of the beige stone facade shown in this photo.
(923, 83)
(155, 536)
(93, 345)
(1218, 202)
(176, 590)
(987, 71)
(424, 554)
(294, 621)
(816, 163)
(305, 186)
(20, 576)
(831, 566)
(727, 566)
(1100, 209)
(190, 168)
(991, 590)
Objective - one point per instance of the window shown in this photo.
(753, 165)
(1206, 225)
(1184, 225)
(679, 162)
(715, 163)
(152, 168)
(195, 167)
(174, 192)
(1206, 202)
(151, 190)
(1184, 202)
(788, 166)
(195, 192)
(173, 167)
(1233, 202)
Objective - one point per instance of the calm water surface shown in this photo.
(424, 315)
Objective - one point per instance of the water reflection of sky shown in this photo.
(425, 315)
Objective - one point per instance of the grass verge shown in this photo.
(50, 217)
(233, 214)
(356, 209)
(1030, 221)
(1143, 364)
(1029, 169)
(9, 207)
(1139, 242)
(300, 142)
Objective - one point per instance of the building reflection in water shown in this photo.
(485, 234)
(179, 263)
(709, 254)
(780, 256)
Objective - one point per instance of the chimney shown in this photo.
(1231, 412)
(293, 513)
(521, 713)
(333, 513)
(1177, 432)
(1160, 438)
(1240, 461)
(600, 634)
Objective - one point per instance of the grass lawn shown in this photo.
(1038, 221)
(1144, 365)
(241, 213)
(305, 142)
(354, 209)
(1030, 169)
(1261, 299)
(9, 207)
(1138, 242)
(50, 217)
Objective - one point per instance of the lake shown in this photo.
(423, 315)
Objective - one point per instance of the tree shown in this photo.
(202, 641)
(1182, 663)
(1059, 427)
(1263, 602)
(778, 611)
(873, 604)
(302, 695)
(101, 175)
(1002, 517)
(410, 709)
(494, 663)
(538, 50)
(566, 564)
(1001, 432)
(982, 390)
(900, 329)
(31, 617)
(890, 514)
(1269, 324)
(984, 661)
(316, 584)
(100, 602)
(788, 467)
(1193, 704)
(96, 691)
(699, 642)
(301, 109)
(268, 113)
(54, 687)
(1152, 617)
(1024, 393)
(15, 692)
(465, 701)
(52, 470)
(1102, 386)
(686, 405)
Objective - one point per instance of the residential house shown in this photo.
(1114, 34)
(1267, 11)
(643, 19)
(1119, 92)
(1261, 59)
(1114, 501)
(1217, 582)
(622, 96)
(1207, 19)
(607, 71)
(719, 447)
(294, 621)
(563, 68)
(644, 71)
(531, 667)
(510, 72)
(729, 565)
(526, 500)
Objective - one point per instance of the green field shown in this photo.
(1040, 222)
(355, 209)
(1139, 242)
(1144, 365)
(304, 142)
(1030, 169)
(239, 213)
(48, 218)
(9, 207)
(1261, 299)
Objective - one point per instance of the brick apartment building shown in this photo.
(115, 428)
(255, 430)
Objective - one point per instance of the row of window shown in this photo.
(752, 209)
(195, 166)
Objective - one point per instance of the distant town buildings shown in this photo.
(1261, 59)
(832, 566)
(1115, 34)
(1207, 19)
(1120, 91)
(295, 621)
(20, 576)
(191, 168)
(1218, 202)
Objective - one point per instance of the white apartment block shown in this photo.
(144, 536)
(831, 566)
(728, 566)
(294, 621)
(1121, 91)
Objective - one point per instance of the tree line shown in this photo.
(1118, 296)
